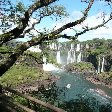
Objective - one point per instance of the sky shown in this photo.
(74, 8)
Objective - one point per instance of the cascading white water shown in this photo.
(99, 64)
(79, 57)
(72, 46)
(74, 56)
(45, 62)
(55, 46)
(82, 57)
(58, 57)
(59, 46)
(48, 66)
(44, 59)
(78, 47)
(102, 68)
(69, 57)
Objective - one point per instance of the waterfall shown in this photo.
(69, 57)
(74, 57)
(82, 57)
(72, 46)
(48, 66)
(44, 60)
(58, 57)
(99, 64)
(59, 46)
(78, 47)
(71, 54)
(102, 68)
(79, 57)
(55, 46)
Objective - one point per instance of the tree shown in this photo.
(20, 16)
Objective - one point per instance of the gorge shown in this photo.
(74, 80)
(72, 63)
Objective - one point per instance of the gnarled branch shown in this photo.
(79, 21)
(24, 21)
(95, 27)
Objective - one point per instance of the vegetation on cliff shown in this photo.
(19, 74)
(106, 75)
(27, 68)
(80, 67)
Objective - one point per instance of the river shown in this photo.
(76, 85)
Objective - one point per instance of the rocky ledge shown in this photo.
(88, 70)
(36, 84)
(96, 80)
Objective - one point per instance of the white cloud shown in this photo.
(103, 32)
(74, 15)
(91, 21)
(33, 20)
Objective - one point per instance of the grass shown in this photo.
(83, 65)
(18, 74)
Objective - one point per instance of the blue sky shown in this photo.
(74, 8)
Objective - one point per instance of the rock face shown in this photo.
(96, 51)
(36, 85)
(87, 51)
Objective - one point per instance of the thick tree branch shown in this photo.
(23, 47)
(37, 60)
(24, 21)
(43, 37)
(75, 22)
(43, 14)
(16, 32)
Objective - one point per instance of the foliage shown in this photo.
(98, 46)
(36, 55)
(18, 74)
(20, 7)
(106, 76)
(82, 104)
(6, 49)
(80, 67)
